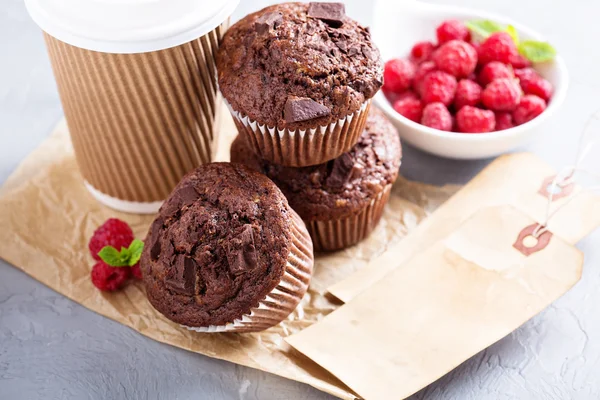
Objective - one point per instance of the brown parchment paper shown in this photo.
(47, 217)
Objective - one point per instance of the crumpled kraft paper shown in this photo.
(47, 217)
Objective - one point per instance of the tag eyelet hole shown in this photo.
(530, 241)
(554, 189)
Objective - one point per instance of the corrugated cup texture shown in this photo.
(338, 234)
(302, 148)
(139, 122)
(286, 296)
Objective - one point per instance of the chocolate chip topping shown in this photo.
(303, 109)
(241, 252)
(153, 242)
(188, 195)
(182, 277)
(340, 172)
(337, 188)
(267, 21)
(219, 245)
(332, 13)
(305, 57)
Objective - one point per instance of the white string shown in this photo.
(567, 176)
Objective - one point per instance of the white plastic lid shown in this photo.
(129, 26)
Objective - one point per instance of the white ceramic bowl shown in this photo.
(398, 25)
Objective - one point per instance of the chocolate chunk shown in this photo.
(340, 172)
(241, 252)
(299, 109)
(187, 196)
(267, 21)
(182, 277)
(342, 44)
(170, 207)
(333, 14)
(352, 51)
(369, 53)
(153, 242)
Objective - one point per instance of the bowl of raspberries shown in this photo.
(466, 85)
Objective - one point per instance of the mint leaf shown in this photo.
(127, 257)
(484, 28)
(114, 257)
(513, 34)
(135, 252)
(536, 51)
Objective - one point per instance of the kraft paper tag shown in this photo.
(514, 179)
(445, 304)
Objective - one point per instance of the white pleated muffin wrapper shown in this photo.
(302, 148)
(338, 234)
(286, 296)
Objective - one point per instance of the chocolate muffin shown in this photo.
(305, 70)
(342, 200)
(226, 252)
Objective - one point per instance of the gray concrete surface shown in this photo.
(52, 348)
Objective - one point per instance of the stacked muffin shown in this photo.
(298, 79)
(229, 251)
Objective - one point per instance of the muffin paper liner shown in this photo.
(338, 234)
(301, 148)
(284, 298)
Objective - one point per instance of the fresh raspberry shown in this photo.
(530, 107)
(452, 30)
(501, 95)
(422, 52)
(393, 97)
(389, 95)
(437, 116)
(494, 70)
(136, 271)
(532, 83)
(109, 279)
(475, 120)
(468, 93)
(456, 58)
(518, 61)
(504, 120)
(410, 107)
(472, 77)
(438, 86)
(113, 232)
(498, 47)
(398, 74)
(422, 70)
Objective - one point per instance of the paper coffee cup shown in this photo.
(137, 80)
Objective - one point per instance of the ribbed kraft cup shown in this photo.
(302, 148)
(286, 296)
(338, 234)
(139, 122)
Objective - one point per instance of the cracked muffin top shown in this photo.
(298, 65)
(218, 246)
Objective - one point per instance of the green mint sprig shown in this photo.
(484, 27)
(537, 51)
(127, 257)
(533, 50)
